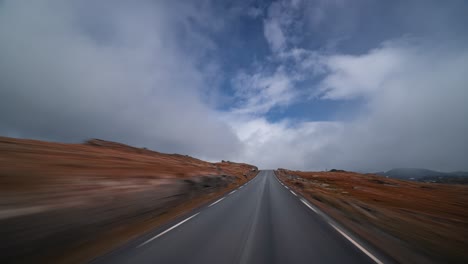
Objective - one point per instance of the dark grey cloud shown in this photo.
(114, 70)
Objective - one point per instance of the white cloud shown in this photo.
(284, 144)
(349, 80)
(414, 115)
(274, 35)
(414, 93)
(278, 27)
(305, 63)
(262, 91)
(413, 89)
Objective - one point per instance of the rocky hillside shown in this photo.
(58, 201)
(412, 222)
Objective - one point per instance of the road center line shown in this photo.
(308, 205)
(357, 245)
(169, 229)
(216, 202)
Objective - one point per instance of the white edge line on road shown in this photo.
(375, 259)
(167, 230)
(308, 205)
(216, 202)
(232, 192)
(357, 245)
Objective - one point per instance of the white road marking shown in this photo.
(153, 238)
(241, 187)
(308, 205)
(293, 193)
(232, 192)
(357, 245)
(216, 202)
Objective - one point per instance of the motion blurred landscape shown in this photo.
(402, 217)
(71, 202)
(234, 131)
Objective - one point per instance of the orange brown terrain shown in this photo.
(72, 202)
(411, 222)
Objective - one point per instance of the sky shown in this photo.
(310, 85)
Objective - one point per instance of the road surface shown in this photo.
(261, 222)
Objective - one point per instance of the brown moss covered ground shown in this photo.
(72, 202)
(412, 222)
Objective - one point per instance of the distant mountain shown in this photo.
(407, 173)
(425, 175)
(460, 173)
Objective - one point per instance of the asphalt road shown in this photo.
(261, 222)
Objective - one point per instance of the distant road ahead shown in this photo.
(262, 222)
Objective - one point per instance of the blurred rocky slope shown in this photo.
(412, 222)
(59, 199)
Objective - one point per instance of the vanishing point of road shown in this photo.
(261, 222)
